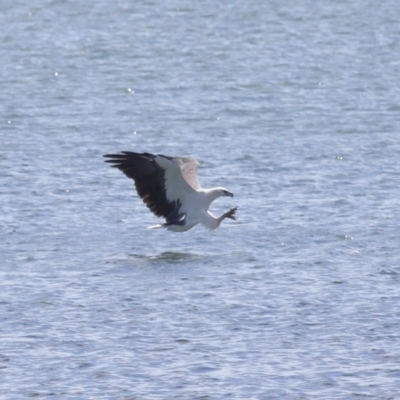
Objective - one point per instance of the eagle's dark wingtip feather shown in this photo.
(119, 156)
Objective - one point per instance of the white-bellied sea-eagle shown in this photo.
(170, 189)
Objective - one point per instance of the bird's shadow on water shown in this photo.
(173, 265)
(171, 257)
(151, 265)
(190, 258)
(169, 264)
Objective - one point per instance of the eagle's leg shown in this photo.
(230, 214)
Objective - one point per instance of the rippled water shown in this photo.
(293, 106)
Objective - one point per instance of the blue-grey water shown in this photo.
(292, 105)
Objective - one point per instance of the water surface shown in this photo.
(292, 106)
